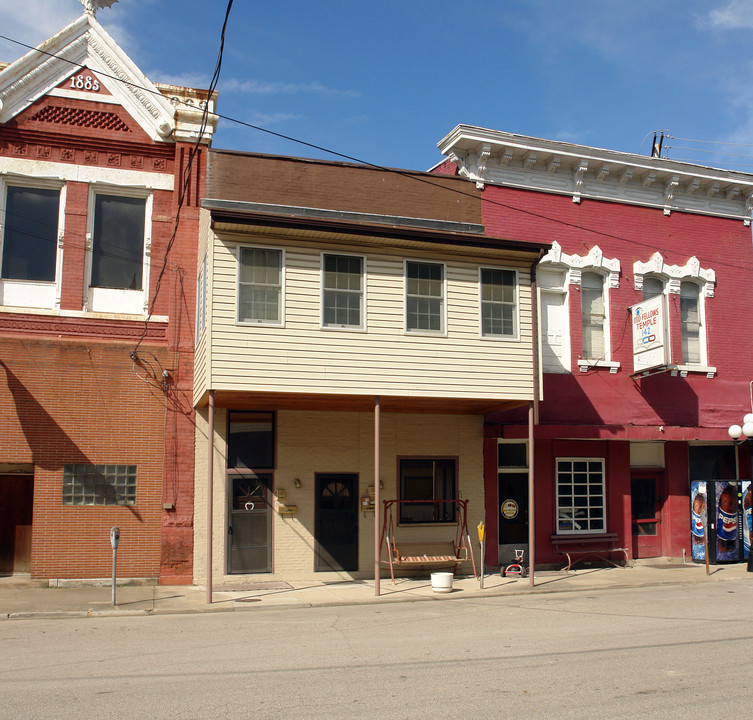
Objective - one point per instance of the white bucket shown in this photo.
(441, 582)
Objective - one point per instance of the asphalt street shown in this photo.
(671, 652)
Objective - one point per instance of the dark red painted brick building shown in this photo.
(97, 308)
(645, 357)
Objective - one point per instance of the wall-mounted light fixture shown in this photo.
(297, 482)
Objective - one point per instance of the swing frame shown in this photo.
(437, 553)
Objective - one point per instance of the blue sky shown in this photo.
(383, 82)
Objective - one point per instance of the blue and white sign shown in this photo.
(649, 342)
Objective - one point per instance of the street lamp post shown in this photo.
(736, 432)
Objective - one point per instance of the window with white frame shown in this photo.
(694, 284)
(594, 317)
(201, 299)
(499, 311)
(342, 291)
(581, 503)
(555, 320)
(260, 288)
(120, 245)
(424, 297)
(690, 320)
(31, 222)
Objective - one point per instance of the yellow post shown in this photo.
(481, 537)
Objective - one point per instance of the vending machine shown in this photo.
(724, 506)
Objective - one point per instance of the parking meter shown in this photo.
(114, 541)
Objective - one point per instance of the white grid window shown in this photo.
(99, 484)
(498, 303)
(259, 285)
(581, 506)
(424, 297)
(342, 291)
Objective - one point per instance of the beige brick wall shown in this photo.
(321, 442)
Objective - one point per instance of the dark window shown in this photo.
(510, 454)
(498, 302)
(712, 462)
(429, 486)
(99, 484)
(118, 245)
(343, 293)
(30, 237)
(251, 440)
(424, 297)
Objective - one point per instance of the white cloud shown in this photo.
(32, 22)
(256, 87)
(736, 15)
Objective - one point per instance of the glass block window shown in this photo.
(99, 484)
(581, 506)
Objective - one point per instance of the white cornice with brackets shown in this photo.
(583, 173)
(86, 43)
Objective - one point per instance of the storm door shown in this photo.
(250, 523)
(646, 501)
(512, 494)
(336, 523)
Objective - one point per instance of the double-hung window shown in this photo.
(119, 252)
(342, 291)
(593, 316)
(428, 489)
(260, 288)
(424, 297)
(690, 319)
(31, 221)
(498, 302)
(581, 505)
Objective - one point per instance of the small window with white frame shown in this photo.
(260, 285)
(499, 302)
(581, 502)
(691, 324)
(594, 317)
(342, 291)
(424, 297)
(32, 214)
(119, 246)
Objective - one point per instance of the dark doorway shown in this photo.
(646, 500)
(336, 523)
(250, 523)
(16, 503)
(513, 515)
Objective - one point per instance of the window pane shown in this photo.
(118, 246)
(99, 484)
(690, 318)
(251, 440)
(592, 315)
(424, 296)
(30, 237)
(512, 455)
(497, 302)
(259, 285)
(580, 496)
(342, 296)
(423, 482)
(652, 287)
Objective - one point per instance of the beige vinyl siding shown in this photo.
(202, 353)
(382, 358)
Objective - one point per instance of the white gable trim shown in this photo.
(86, 43)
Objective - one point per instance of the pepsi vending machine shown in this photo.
(726, 507)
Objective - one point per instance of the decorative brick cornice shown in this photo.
(81, 327)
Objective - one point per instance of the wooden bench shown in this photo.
(425, 555)
(577, 548)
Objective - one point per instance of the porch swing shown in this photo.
(427, 555)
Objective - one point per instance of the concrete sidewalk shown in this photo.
(23, 598)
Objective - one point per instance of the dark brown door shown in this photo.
(647, 498)
(16, 502)
(336, 523)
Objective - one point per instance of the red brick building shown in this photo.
(97, 308)
(625, 424)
